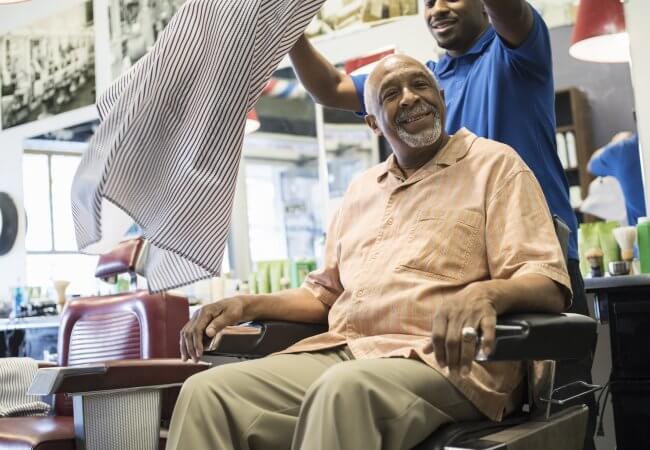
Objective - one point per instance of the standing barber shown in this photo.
(498, 79)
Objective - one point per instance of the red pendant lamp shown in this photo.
(599, 34)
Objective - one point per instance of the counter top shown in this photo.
(29, 322)
(622, 281)
(46, 321)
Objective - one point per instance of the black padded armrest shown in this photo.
(519, 337)
(258, 339)
(543, 336)
(113, 375)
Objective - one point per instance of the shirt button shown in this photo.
(361, 292)
(389, 222)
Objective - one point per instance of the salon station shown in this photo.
(324, 224)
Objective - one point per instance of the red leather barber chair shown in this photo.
(114, 334)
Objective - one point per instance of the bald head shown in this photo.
(384, 68)
(404, 103)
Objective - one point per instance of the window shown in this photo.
(284, 218)
(265, 212)
(50, 241)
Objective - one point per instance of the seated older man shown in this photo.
(448, 233)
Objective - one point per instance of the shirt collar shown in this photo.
(455, 150)
(478, 48)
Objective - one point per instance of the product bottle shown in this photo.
(18, 300)
(572, 153)
(243, 288)
(643, 237)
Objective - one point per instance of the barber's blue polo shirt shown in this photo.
(507, 94)
(621, 161)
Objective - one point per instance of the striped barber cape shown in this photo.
(167, 150)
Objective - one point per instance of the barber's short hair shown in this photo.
(367, 100)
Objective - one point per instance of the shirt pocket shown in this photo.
(442, 242)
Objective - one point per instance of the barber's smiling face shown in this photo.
(407, 107)
(455, 24)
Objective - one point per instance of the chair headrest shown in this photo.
(122, 259)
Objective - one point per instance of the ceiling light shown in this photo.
(599, 34)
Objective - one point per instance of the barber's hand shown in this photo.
(210, 319)
(472, 307)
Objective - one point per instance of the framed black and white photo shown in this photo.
(48, 66)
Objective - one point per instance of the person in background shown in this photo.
(620, 159)
(497, 77)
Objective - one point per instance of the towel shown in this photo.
(16, 375)
(167, 150)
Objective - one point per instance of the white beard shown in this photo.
(424, 137)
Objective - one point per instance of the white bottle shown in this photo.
(561, 150)
(217, 289)
(243, 288)
(575, 196)
(571, 150)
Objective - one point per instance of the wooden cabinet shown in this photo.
(573, 121)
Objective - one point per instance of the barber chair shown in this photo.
(107, 338)
(539, 340)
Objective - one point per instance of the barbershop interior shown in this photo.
(324, 224)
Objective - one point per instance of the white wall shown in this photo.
(637, 18)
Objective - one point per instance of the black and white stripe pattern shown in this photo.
(16, 375)
(167, 150)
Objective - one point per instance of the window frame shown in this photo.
(49, 155)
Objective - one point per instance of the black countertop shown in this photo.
(623, 281)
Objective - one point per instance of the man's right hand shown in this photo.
(209, 320)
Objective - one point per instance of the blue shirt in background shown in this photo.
(621, 161)
(507, 94)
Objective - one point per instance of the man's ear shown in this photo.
(371, 120)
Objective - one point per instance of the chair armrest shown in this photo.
(539, 336)
(533, 336)
(114, 375)
(122, 259)
(258, 339)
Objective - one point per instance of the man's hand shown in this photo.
(472, 307)
(209, 320)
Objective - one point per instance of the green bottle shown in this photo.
(643, 237)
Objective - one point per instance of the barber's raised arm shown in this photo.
(326, 84)
(512, 19)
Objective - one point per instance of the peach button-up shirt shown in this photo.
(398, 246)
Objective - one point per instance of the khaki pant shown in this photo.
(315, 401)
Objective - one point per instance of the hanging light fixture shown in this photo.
(599, 34)
(252, 122)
